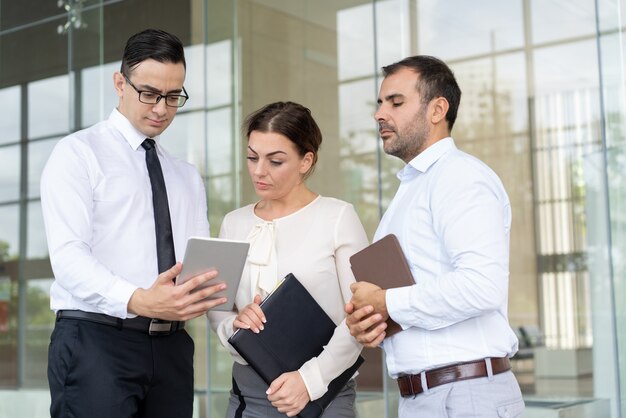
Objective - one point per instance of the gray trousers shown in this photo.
(248, 398)
(497, 396)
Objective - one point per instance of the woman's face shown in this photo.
(275, 166)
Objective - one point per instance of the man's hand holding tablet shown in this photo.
(228, 257)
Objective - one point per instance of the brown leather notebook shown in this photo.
(383, 263)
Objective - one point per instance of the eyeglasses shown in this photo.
(150, 97)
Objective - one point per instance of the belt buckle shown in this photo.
(159, 327)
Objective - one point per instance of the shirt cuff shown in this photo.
(402, 307)
(398, 301)
(313, 379)
(121, 292)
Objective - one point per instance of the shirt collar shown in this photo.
(424, 160)
(128, 131)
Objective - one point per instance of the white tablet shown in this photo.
(226, 256)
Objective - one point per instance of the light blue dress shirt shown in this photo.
(452, 217)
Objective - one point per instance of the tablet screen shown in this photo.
(226, 256)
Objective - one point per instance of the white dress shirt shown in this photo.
(97, 206)
(452, 217)
(315, 244)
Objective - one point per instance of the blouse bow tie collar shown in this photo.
(262, 259)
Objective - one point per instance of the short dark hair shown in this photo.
(153, 44)
(291, 120)
(436, 79)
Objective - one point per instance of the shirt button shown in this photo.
(506, 414)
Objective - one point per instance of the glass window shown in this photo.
(209, 72)
(462, 28)
(185, 138)
(355, 36)
(38, 153)
(195, 79)
(10, 109)
(36, 244)
(219, 73)
(10, 173)
(97, 92)
(560, 19)
(393, 31)
(39, 325)
(221, 149)
(8, 325)
(359, 143)
(15, 14)
(48, 106)
(9, 232)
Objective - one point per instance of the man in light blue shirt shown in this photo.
(452, 217)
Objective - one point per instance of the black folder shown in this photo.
(297, 330)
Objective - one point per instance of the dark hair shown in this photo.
(153, 44)
(291, 120)
(436, 79)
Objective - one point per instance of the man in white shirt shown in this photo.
(452, 217)
(118, 209)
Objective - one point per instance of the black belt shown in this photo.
(148, 325)
(411, 385)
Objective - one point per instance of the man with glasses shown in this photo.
(118, 210)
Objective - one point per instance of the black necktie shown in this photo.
(163, 225)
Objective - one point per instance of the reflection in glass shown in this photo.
(219, 73)
(195, 78)
(184, 139)
(10, 106)
(393, 31)
(557, 19)
(359, 136)
(9, 228)
(221, 199)
(220, 142)
(48, 106)
(463, 28)
(9, 173)
(39, 325)
(8, 330)
(38, 153)
(209, 70)
(567, 115)
(36, 244)
(98, 97)
(355, 35)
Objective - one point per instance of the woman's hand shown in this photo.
(288, 393)
(251, 317)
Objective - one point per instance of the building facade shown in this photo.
(543, 104)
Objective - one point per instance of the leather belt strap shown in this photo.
(411, 385)
(148, 325)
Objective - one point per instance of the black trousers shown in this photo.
(99, 371)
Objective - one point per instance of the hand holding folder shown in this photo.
(383, 263)
(285, 344)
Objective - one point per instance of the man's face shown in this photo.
(402, 117)
(156, 77)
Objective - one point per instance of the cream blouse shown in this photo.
(314, 243)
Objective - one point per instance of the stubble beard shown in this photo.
(407, 144)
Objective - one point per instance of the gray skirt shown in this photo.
(248, 398)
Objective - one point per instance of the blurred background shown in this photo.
(543, 104)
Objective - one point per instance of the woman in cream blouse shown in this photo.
(291, 229)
